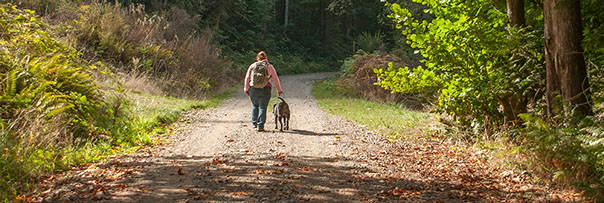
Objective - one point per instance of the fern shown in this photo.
(370, 43)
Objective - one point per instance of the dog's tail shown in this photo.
(281, 99)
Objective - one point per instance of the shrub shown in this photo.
(358, 79)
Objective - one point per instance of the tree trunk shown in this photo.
(566, 70)
(516, 12)
(286, 12)
(514, 103)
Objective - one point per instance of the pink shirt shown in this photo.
(271, 72)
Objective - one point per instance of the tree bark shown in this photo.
(516, 12)
(286, 12)
(514, 103)
(565, 64)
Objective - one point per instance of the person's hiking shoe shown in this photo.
(260, 130)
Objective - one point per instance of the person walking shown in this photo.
(258, 88)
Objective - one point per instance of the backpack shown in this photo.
(259, 75)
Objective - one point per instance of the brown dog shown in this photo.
(281, 111)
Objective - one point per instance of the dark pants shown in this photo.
(260, 99)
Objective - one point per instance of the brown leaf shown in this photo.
(227, 171)
(305, 169)
(280, 155)
(283, 164)
(180, 171)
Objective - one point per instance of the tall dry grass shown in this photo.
(166, 50)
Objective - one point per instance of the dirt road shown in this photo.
(223, 158)
(216, 155)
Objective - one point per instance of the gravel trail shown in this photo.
(215, 155)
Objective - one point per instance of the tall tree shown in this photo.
(565, 64)
(514, 103)
(286, 12)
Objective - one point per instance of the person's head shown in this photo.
(261, 56)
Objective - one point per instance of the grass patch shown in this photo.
(153, 112)
(387, 119)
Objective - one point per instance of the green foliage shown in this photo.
(468, 59)
(593, 27)
(370, 43)
(567, 154)
(291, 64)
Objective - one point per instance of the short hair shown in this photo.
(261, 56)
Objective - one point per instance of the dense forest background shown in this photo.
(299, 36)
(73, 65)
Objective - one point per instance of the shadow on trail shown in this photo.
(282, 178)
(224, 121)
(306, 132)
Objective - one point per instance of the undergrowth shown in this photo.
(567, 156)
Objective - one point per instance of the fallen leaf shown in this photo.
(180, 171)
(201, 197)
(230, 140)
(283, 164)
(305, 169)
(280, 155)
